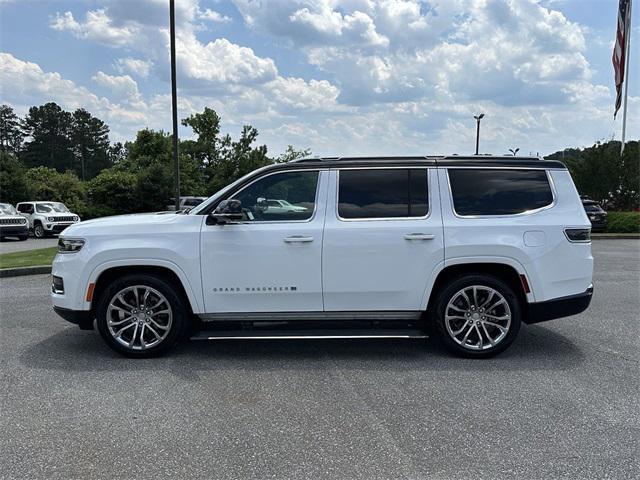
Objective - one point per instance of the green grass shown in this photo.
(623, 222)
(28, 258)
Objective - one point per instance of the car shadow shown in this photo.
(536, 348)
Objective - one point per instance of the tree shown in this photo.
(50, 129)
(48, 184)
(11, 135)
(13, 186)
(113, 192)
(291, 154)
(90, 144)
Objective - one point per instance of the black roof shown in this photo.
(446, 161)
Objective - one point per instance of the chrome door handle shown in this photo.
(419, 236)
(298, 239)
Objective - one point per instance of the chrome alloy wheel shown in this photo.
(139, 317)
(477, 317)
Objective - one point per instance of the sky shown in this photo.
(339, 77)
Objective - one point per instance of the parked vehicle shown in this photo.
(47, 218)
(12, 224)
(596, 214)
(384, 247)
(186, 203)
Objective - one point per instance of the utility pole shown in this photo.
(174, 99)
(626, 79)
(478, 118)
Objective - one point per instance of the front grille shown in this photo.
(13, 221)
(63, 219)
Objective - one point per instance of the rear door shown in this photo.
(383, 238)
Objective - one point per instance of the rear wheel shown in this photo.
(477, 315)
(141, 315)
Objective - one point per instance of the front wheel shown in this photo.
(141, 315)
(38, 230)
(477, 316)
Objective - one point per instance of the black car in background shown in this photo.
(597, 215)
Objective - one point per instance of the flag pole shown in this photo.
(174, 100)
(627, 51)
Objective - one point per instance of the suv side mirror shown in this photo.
(226, 211)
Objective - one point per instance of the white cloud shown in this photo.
(123, 87)
(213, 16)
(134, 66)
(96, 26)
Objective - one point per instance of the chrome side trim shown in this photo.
(293, 316)
(305, 337)
(511, 215)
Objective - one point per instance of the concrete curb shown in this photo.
(20, 271)
(615, 236)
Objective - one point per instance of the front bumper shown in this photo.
(82, 318)
(56, 227)
(14, 230)
(559, 307)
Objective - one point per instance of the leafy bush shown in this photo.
(623, 222)
(113, 192)
(48, 184)
(13, 187)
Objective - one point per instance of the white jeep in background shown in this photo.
(12, 224)
(376, 248)
(47, 218)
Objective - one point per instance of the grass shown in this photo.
(28, 258)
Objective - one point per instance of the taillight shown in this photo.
(581, 235)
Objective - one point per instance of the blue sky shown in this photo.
(342, 77)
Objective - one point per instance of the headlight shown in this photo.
(70, 245)
(76, 218)
(50, 219)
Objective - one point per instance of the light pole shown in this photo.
(478, 118)
(174, 99)
(514, 152)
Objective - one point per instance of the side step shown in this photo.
(263, 334)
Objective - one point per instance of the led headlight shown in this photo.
(70, 245)
(76, 218)
(50, 219)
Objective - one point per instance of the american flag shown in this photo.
(620, 49)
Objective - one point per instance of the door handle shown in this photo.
(419, 236)
(298, 239)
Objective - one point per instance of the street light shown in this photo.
(478, 118)
(514, 152)
(174, 98)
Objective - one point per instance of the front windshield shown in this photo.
(213, 198)
(51, 207)
(7, 209)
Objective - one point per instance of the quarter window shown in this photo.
(383, 193)
(499, 192)
(287, 196)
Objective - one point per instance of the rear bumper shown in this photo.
(559, 307)
(82, 318)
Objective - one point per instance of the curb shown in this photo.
(20, 271)
(615, 236)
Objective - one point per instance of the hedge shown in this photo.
(623, 222)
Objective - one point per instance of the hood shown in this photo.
(134, 223)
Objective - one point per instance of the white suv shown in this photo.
(12, 224)
(378, 247)
(47, 218)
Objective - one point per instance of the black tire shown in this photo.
(38, 230)
(451, 290)
(179, 314)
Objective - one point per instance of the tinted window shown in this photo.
(261, 200)
(383, 193)
(499, 192)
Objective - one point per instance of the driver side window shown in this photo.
(281, 197)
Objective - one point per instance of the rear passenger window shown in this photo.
(383, 193)
(499, 192)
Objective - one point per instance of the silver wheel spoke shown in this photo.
(491, 325)
(147, 331)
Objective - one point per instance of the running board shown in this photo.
(306, 334)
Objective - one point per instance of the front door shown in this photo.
(383, 238)
(271, 260)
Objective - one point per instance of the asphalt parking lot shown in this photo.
(14, 245)
(562, 402)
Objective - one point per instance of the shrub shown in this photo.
(623, 222)
(113, 192)
(48, 184)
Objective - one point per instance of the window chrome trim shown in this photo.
(552, 187)
(275, 222)
(382, 219)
